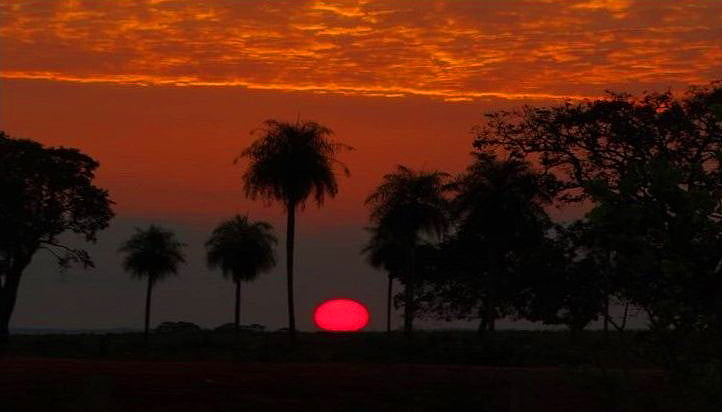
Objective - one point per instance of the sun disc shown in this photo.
(341, 315)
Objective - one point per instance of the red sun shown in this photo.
(341, 315)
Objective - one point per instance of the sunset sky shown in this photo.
(165, 93)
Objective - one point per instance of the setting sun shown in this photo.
(202, 202)
(341, 315)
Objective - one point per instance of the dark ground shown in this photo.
(35, 384)
(444, 371)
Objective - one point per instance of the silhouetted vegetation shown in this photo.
(152, 254)
(407, 206)
(242, 250)
(383, 253)
(289, 163)
(485, 266)
(513, 348)
(650, 166)
(44, 192)
(645, 171)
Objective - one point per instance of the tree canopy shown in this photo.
(153, 253)
(47, 191)
(44, 193)
(242, 249)
(291, 161)
(650, 166)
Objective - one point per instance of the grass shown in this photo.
(433, 371)
(503, 348)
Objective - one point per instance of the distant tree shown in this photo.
(500, 226)
(383, 253)
(407, 206)
(666, 238)
(242, 249)
(651, 166)
(152, 254)
(289, 163)
(44, 192)
(178, 328)
(571, 283)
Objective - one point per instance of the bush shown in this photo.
(177, 327)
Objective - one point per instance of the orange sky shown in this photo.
(448, 49)
(165, 92)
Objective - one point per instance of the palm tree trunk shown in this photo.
(489, 314)
(147, 309)
(481, 330)
(408, 309)
(607, 303)
(388, 304)
(719, 322)
(492, 321)
(719, 341)
(491, 302)
(409, 296)
(237, 319)
(606, 318)
(290, 233)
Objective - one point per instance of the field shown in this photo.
(436, 371)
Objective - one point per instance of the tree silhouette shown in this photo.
(242, 249)
(289, 163)
(501, 218)
(651, 165)
(406, 206)
(153, 254)
(571, 282)
(499, 226)
(383, 252)
(44, 192)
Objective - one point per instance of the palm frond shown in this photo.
(291, 162)
(154, 252)
(411, 203)
(242, 249)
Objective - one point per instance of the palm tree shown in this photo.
(383, 253)
(289, 163)
(406, 206)
(242, 250)
(153, 254)
(499, 208)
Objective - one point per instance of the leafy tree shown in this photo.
(242, 249)
(289, 163)
(571, 286)
(405, 207)
(500, 224)
(650, 165)
(46, 191)
(152, 254)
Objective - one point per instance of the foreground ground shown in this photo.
(205, 371)
(35, 384)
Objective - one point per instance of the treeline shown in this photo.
(482, 245)
(48, 191)
(479, 245)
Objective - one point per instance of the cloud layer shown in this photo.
(455, 50)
